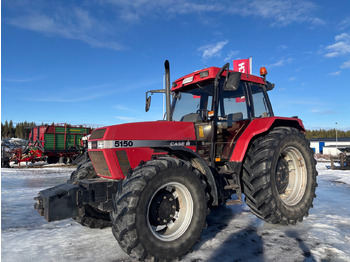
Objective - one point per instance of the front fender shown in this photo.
(197, 162)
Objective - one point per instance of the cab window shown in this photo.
(234, 104)
(259, 101)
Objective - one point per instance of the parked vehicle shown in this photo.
(53, 143)
(158, 180)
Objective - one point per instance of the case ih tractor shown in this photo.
(155, 182)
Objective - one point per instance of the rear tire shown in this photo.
(89, 216)
(279, 176)
(52, 159)
(160, 211)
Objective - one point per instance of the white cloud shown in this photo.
(124, 108)
(345, 23)
(279, 12)
(335, 73)
(212, 50)
(128, 119)
(22, 80)
(303, 102)
(282, 62)
(283, 12)
(346, 64)
(230, 55)
(67, 22)
(282, 47)
(322, 111)
(340, 47)
(98, 29)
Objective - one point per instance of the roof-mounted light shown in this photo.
(204, 74)
(187, 80)
(263, 71)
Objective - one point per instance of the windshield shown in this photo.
(192, 105)
(192, 102)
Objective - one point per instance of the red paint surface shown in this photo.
(212, 74)
(157, 130)
(256, 127)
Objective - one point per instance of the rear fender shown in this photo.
(258, 126)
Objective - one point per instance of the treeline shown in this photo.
(9, 130)
(21, 129)
(330, 133)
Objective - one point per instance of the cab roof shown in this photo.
(209, 74)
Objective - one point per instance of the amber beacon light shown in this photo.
(263, 71)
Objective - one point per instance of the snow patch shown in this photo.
(233, 233)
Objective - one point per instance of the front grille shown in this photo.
(100, 163)
(98, 134)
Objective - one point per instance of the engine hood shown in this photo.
(156, 130)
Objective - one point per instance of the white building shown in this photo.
(330, 146)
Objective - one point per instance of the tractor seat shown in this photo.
(231, 118)
(192, 117)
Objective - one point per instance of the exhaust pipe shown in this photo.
(167, 89)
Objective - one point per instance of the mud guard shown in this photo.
(258, 126)
(198, 162)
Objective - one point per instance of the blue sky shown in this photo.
(91, 62)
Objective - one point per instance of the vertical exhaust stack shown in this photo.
(167, 89)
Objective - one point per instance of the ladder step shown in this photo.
(231, 187)
(234, 202)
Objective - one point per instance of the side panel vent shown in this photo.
(98, 134)
(123, 161)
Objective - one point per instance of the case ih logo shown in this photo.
(242, 65)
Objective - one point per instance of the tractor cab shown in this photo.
(221, 103)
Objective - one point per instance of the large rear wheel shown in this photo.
(279, 176)
(160, 211)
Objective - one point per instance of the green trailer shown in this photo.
(58, 142)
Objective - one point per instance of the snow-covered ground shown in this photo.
(233, 233)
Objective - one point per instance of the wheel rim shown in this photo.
(170, 211)
(291, 176)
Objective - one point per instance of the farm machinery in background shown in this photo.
(54, 143)
(342, 160)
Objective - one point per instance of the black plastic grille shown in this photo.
(123, 161)
(98, 134)
(100, 163)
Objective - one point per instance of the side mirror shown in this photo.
(148, 98)
(148, 103)
(232, 82)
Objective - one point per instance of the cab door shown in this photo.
(234, 117)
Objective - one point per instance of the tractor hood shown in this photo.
(156, 130)
(114, 150)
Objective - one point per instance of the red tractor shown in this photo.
(155, 182)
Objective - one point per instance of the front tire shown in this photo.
(279, 176)
(89, 216)
(160, 211)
